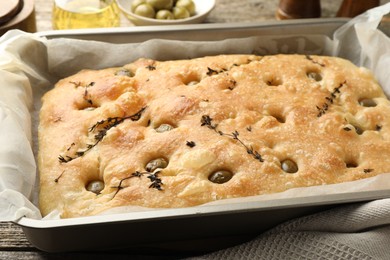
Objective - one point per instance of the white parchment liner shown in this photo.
(30, 65)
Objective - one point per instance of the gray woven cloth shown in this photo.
(355, 231)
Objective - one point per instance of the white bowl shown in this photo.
(202, 9)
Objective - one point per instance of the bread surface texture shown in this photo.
(180, 133)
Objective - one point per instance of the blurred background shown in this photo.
(225, 11)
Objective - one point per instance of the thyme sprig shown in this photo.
(156, 182)
(102, 128)
(151, 67)
(114, 121)
(207, 121)
(314, 61)
(232, 84)
(86, 95)
(329, 100)
(211, 71)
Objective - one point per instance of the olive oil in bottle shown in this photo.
(74, 14)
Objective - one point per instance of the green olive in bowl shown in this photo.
(165, 15)
(142, 16)
(161, 4)
(187, 4)
(180, 12)
(145, 10)
(136, 3)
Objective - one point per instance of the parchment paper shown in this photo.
(30, 65)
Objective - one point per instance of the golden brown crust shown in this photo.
(239, 113)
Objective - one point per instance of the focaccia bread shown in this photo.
(186, 132)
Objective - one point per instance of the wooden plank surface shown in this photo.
(12, 238)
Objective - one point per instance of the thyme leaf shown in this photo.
(156, 181)
(232, 83)
(58, 178)
(65, 159)
(70, 147)
(151, 67)
(315, 62)
(190, 144)
(206, 121)
(211, 72)
(86, 95)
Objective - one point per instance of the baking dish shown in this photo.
(196, 229)
(202, 32)
(191, 229)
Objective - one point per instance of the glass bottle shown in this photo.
(75, 14)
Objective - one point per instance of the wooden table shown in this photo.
(13, 243)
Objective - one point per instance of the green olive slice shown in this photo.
(158, 163)
(351, 164)
(221, 176)
(314, 75)
(289, 166)
(164, 128)
(367, 102)
(95, 186)
(192, 83)
(124, 72)
(89, 108)
(358, 130)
